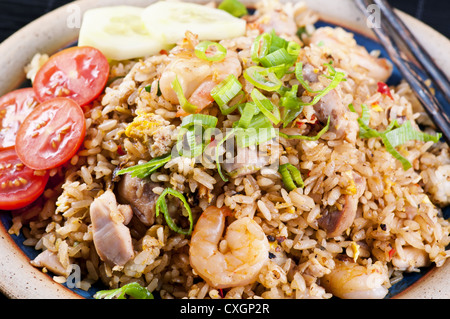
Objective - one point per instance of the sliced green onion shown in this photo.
(277, 42)
(254, 136)
(148, 88)
(291, 115)
(308, 138)
(291, 176)
(299, 76)
(219, 169)
(132, 289)
(203, 49)
(203, 120)
(407, 133)
(185, 105)
(195, 147)
(225, 92)
(278, 57)
(289, 99)
(405, 163)
(233, 7)
(293, 48)
(191, 129)
(144, 170)
(262, 78)
(392, 137)
(161, 206)
(266, 106)
(247, 115)
(260, 47)
(338, 78)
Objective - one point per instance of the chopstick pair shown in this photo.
(390, 30)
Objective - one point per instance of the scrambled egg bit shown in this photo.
(144, 125)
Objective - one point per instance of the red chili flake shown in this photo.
(163, 52)
(221, 293)
(120, 150)
(299, 124)
(391, 253)
(383, 88)
(314, 118)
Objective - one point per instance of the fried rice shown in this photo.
(398, 226)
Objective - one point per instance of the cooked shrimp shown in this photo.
(242, 253)
(197, 77)
(349, 280)
(345, 50)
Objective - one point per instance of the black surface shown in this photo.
(15, 14)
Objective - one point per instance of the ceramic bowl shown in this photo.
(59, 28)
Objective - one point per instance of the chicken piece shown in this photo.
(50, 260)
(139, 195)
(112, 239)
(342, 122)
(247, 161)
(337, 221)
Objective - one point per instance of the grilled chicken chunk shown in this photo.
(139, 195)
(112, 238)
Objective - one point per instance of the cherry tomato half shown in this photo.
(14, 108)
(19, 185)
(79, 73)
(51, 134)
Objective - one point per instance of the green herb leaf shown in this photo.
(132, 289)
(291, 176)
(185, 105)
(161, 206)
(144, 170)
(218, 52)
(233, 7)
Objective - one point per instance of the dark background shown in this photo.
(15, 14)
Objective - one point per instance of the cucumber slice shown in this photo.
(119, 33)
(173, 19)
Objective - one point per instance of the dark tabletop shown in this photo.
(15, 14)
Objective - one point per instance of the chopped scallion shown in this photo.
(219, 169)
(161, 206)
(277, 58)
(392, 137)
(210, 51)
(262, 78)
(407, 133)
(299, 76)
(144, 170)
(203, 120)
(291, 176)
(260, 47)
(225, 92)
(192, 129)
(247, 115)
(266, 107)
(233, 7)
(132, 289)
(185, 105)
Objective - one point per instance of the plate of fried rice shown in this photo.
(160, 149)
